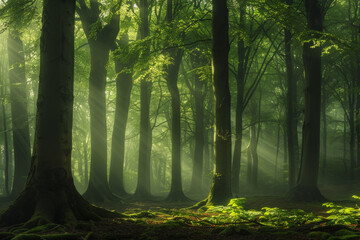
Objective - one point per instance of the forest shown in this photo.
(179, 119)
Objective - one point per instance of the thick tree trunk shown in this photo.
(307, 189)
(291, 116)
(50, 194)
(124, 83)
(143, 190)
(19, 112)
(220, 192)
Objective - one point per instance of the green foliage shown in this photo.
(343, 215)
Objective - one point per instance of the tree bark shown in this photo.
(220, 192)
(176, 192)
(98, 189)
(50, 194)
(6, 149)
(240, 84)
(307, 189)
(19, 112)
(143, 190)
(291, 115)
(198, 160)
(124, 83)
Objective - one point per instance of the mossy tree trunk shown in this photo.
(19, 112)
(50, 194)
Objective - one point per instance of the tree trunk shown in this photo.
(124, 83)
(240, 84)
(220, 192)
(352, 138)
(196, 179)
(6, 149)
(176, 192)
(324, 132)
(291, 115)
(50, 194)
(143, 187)
(19, 113)
(254, 158)
(98, 189)
(307, 189)
(86, 162)
(277, 157)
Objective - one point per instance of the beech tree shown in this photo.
(307, 188)
(50, 194)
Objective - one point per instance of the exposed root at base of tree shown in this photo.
(39, 210)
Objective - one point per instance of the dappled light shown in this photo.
(164, 119)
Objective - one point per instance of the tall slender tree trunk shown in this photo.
(307, 188)
(324, 130)
(98, 189)
(254, 156)
(196, 179)
(352, 138)
(124, 83)
(6, 150)
(291, 115)
(143, 190)
(240, 86)
(277, 157)
(50, 194)
(176, 192)
(19, 112)
(220, 192)
(344, 146)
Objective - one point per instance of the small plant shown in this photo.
(343, 215)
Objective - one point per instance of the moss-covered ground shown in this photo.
(252, 218)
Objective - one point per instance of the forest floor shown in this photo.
(252, 218)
